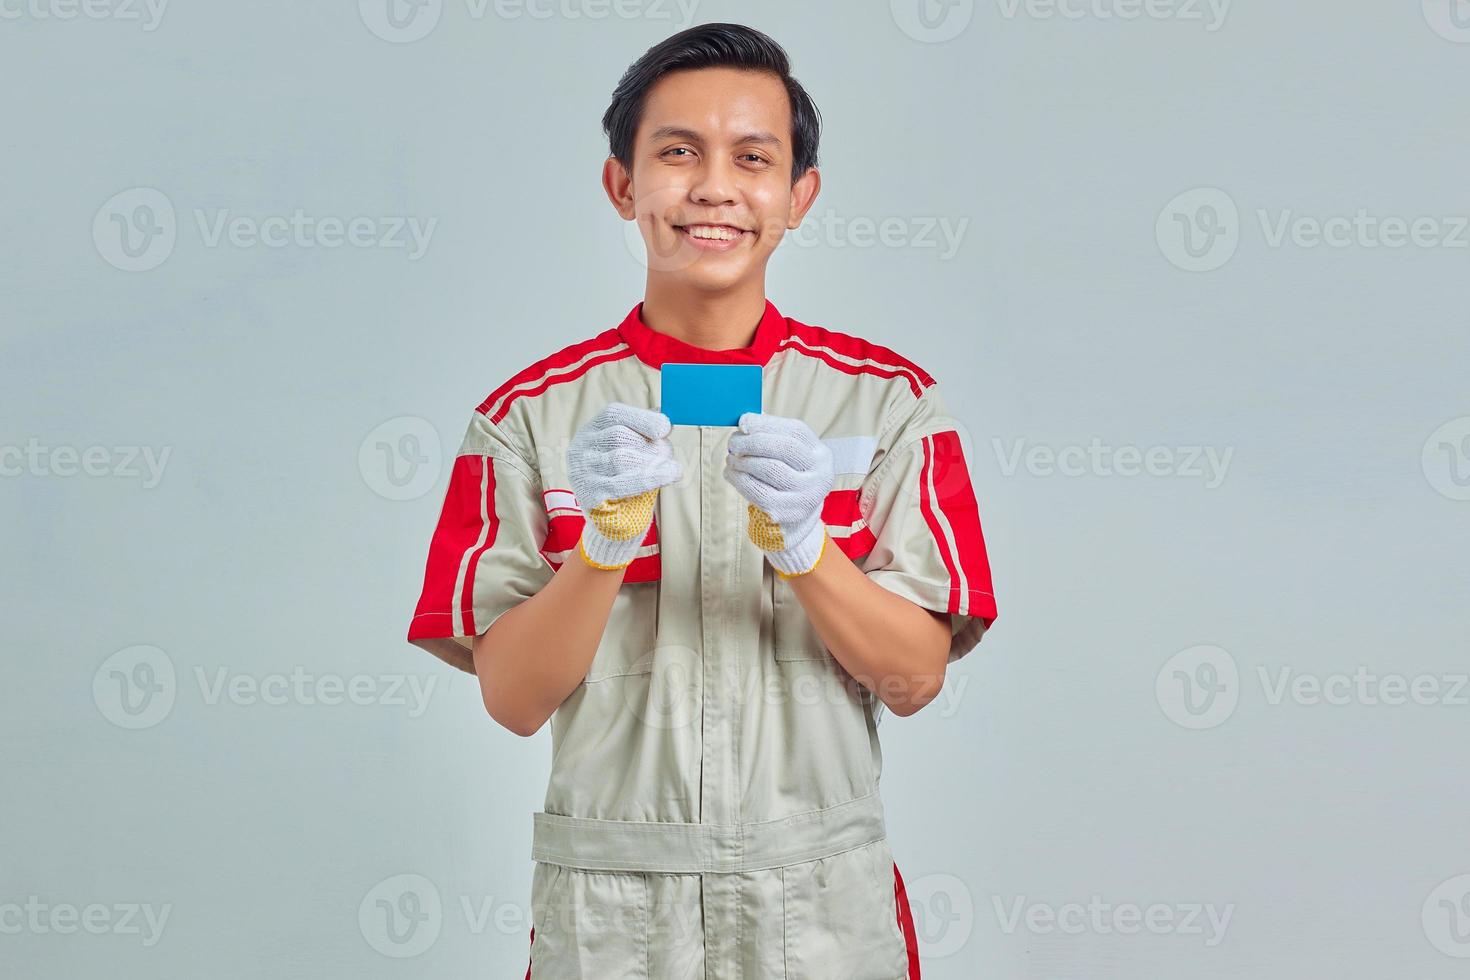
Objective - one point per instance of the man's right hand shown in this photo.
(617, 462)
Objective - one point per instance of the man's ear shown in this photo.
(803, 196)
(619, 186)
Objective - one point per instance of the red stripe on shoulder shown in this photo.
(500, 399)
(856, 369)
(467, 512)
(551, 380)
(467, 597)
(926, 507)
(954, 496)
(804, 336)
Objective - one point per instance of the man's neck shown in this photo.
(714, 321)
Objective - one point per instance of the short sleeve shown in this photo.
(485, 555)
(920, 505)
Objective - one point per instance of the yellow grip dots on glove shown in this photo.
(765, 532)
(626, 517)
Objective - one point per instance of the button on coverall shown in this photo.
(713, 809)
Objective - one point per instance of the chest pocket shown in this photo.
(792, 634)
(793, 637)
(628, 642)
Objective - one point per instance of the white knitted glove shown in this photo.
(784, 472)
(616, 462)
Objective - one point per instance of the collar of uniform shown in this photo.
(654, 348)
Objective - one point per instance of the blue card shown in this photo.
(709, 394)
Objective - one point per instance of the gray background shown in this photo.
(1074, 758)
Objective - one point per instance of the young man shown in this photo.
(711, 616)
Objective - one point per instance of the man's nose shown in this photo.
(715, 183)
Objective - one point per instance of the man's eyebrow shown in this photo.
(680, 132)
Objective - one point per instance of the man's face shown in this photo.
(711, 185)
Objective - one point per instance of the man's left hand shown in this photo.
(784, 472)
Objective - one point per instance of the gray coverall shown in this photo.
(713, 807)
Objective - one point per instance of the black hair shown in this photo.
(710, 46)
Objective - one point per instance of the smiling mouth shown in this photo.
(712, 234)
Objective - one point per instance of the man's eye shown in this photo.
(676, 149)
(755, 157)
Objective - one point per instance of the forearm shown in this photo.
(537, 653)
(893, 647)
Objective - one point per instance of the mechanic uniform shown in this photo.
(713, 810)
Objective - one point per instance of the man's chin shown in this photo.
(711, 277)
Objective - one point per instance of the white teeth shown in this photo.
(709, 231)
